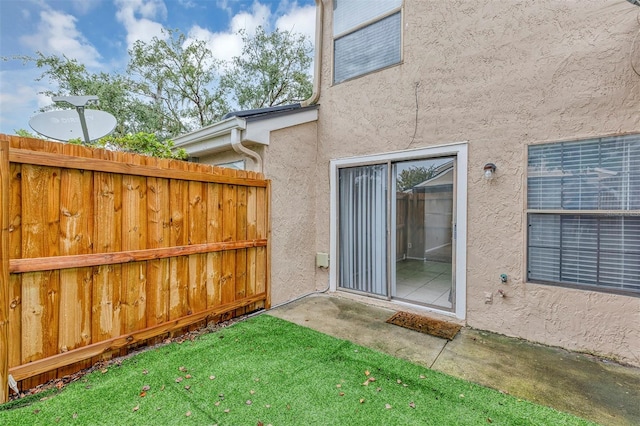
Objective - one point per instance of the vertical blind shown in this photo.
(363, 225)
(348, 14)
(370, 48)
(590, 249)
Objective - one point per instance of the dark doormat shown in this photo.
(434, 327)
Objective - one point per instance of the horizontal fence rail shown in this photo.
(103, 251)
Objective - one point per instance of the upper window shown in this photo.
(367, 36)
(583, 202)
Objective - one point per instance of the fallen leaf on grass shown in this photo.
(217, 403)
(268, 406)
(75, 415)
(212, 377)
(136, 408)
(146, 388)
(145, 371)
(338, 385)
(143, 394)
(183, 369)
(366, 373)
(412, 404)
(187, 387)
(252, 391)
(188, 414)
(422, 376)
(489, 420)
(388, 406)
(226, 410)
(361, 400)
(104, 370)
(249, 402)
(399, 381)
(179, 379)
(188, 376)
(341, 394)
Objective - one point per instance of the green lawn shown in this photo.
(268, 371)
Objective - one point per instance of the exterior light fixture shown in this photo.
(489, 170)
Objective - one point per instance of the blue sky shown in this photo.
(98, 33)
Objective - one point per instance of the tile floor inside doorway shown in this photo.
(426, 282)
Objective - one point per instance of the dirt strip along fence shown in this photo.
(104, 251)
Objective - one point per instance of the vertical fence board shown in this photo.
(178, 298)
(40, 290)
(214, 234)
(4, 269)
(229, 200)
(241, 254)
(134, 237)
(107, 301)
(261, 252)
(76, 232)
(197, 214)
(15, 252)
(252, 217)
(159, 235)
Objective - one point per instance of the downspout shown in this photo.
(318, 57)
(236, 144)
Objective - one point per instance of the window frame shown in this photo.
(559, 212)
(356, 28)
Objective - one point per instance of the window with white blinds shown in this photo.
(583, 202)
(367, 36)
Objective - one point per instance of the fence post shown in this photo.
(4, 269)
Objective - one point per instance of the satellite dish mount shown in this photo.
(79, 102)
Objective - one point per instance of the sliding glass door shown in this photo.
(396, 230)
(363, 228)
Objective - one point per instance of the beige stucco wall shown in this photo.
(501, 75)
(290, 163)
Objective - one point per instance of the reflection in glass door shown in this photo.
(424, 212)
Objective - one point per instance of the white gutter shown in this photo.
(318, 57)
(236, 144)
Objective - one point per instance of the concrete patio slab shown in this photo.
(597, 390)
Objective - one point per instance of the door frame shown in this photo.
(458, 150)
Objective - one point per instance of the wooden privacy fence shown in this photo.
(103, 250)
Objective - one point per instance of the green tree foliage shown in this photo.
(412, 176)
(173, 85)
(139, 143)
(272, 70)
(180, 78)
(70, 78)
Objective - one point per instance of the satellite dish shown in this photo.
(63, 125)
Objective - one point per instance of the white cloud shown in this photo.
(19, 101)
(250, 20)
(57, 35)
(299, 20)
(226, 44)
(83, 6)
(139, 19)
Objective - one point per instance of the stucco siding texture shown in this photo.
(500, 75)
(290, 163)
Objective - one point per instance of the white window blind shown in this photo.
(363, 225)
(360, 50)
(348, 14)
(584, 213)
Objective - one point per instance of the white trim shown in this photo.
(217, 137)
(460, 151)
